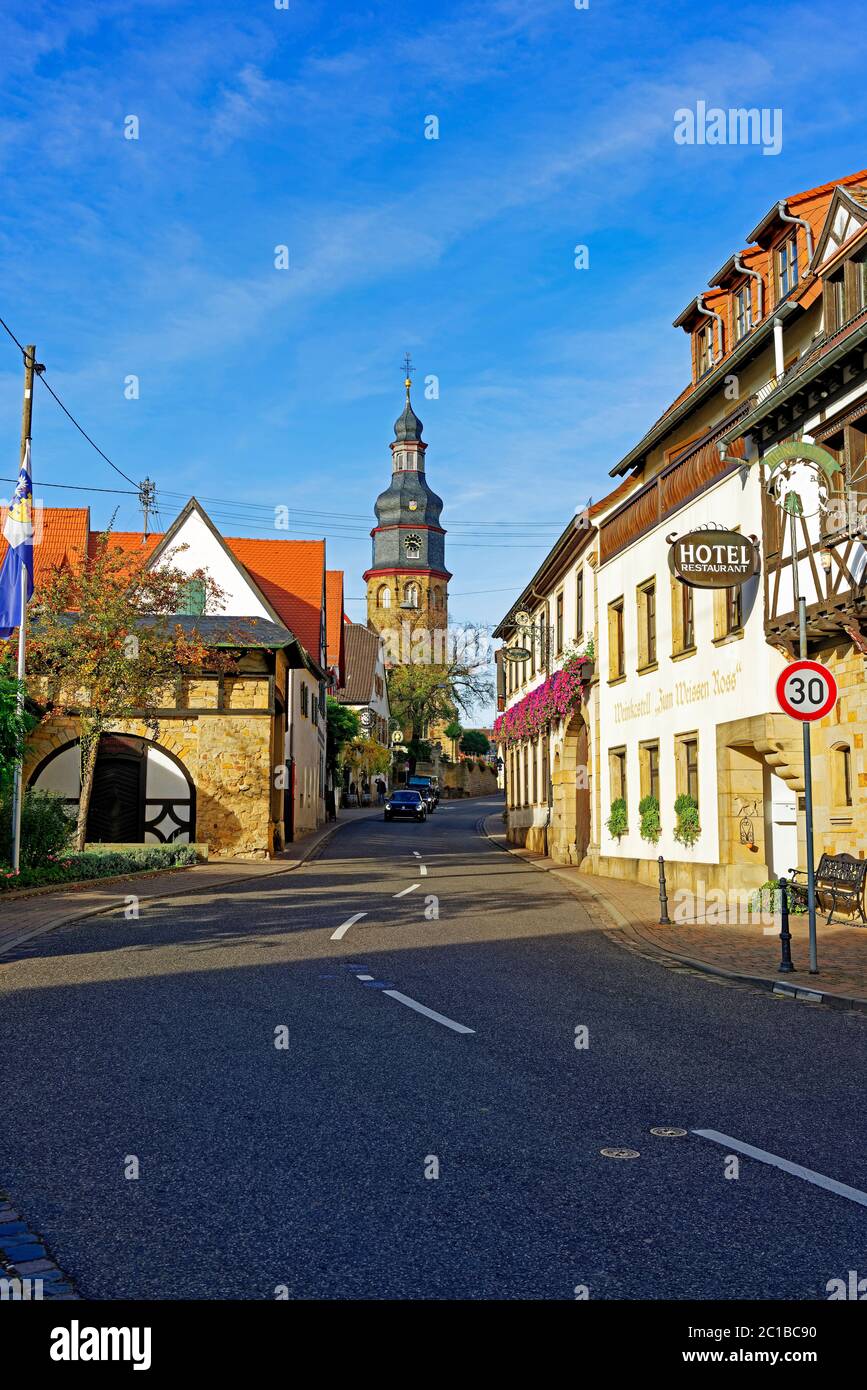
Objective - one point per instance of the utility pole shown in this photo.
(26, 428)
(801, 609)
(147, 496)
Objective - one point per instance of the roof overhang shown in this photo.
(741, 353)
(559, 557)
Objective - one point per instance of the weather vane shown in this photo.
(408, 370)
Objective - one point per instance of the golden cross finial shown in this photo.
(409, 369)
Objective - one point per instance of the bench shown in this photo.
(840, 879)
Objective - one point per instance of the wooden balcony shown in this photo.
(678, 483)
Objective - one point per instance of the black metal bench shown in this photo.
(840, 879)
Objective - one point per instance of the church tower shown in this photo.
(407, 583)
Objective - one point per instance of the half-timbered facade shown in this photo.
(683, 709)
(808, 438)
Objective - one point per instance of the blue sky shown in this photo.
(305, 127)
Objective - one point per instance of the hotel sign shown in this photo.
(713, 559)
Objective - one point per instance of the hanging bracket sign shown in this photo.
(713, 558)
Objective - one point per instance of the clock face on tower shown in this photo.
(412, 546)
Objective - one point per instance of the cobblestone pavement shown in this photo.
(738, 949)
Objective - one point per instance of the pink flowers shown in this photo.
(553, 699)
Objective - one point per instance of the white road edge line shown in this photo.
(404, 891)
(428, 1013)
(341, 931)
(797, 1171)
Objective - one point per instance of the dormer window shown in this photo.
(704, 350)
(837, 299)
(860, 281)
(787, 266)
(743, 312)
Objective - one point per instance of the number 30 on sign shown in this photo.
(806, 690)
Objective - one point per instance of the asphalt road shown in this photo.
(303, 1167)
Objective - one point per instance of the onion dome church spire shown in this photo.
(408, 578)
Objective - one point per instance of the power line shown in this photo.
(237, 504)
(40, 373)
(81, 487)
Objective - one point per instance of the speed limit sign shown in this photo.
(806, 690)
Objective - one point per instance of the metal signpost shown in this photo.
(807, 691)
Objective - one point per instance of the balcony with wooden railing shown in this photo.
(686, 477)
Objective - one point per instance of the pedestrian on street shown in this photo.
(380, 790)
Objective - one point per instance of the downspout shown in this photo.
(289, 832)
(712, 314)
(745, 270)
(797, 222)
(779, 354)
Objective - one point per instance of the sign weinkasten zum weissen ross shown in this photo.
(713, 559)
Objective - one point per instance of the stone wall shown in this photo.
(840, 828)
(457, 780)
(228, 757)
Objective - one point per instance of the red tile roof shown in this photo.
(291, 574)
(334, 622)
(61, 538)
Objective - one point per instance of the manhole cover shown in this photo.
(668, 1132)
(620, 1153)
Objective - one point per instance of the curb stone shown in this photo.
(628, 936)
(24, 1257)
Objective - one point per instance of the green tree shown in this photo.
(454, 729)
(16, 722)
(103, 645)
(423, 692)
(475, 742)
(342, 726)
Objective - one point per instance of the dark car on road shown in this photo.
(428, 789)
(407, 805)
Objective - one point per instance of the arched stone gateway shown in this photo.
(570, 816)
(142, 793)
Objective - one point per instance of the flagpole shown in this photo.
(18, 785)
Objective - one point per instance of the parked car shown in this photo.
(406, 805)
(429, 788)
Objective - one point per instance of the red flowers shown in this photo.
(553, 699)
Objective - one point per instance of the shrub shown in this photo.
(616, 823)
(47, 826)
(90, 864)
(687, 829)
(651, 822)
(769, 899)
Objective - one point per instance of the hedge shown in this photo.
(72, 868)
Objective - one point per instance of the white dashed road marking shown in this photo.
(404, 891)
(364, 977)
(797, 1171)
(416, 853)
(341, 931)
(423, 870)
(428, 1013)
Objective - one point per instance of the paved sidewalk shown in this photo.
(737, 951)
(26, 917)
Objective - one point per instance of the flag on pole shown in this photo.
(18, 531)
